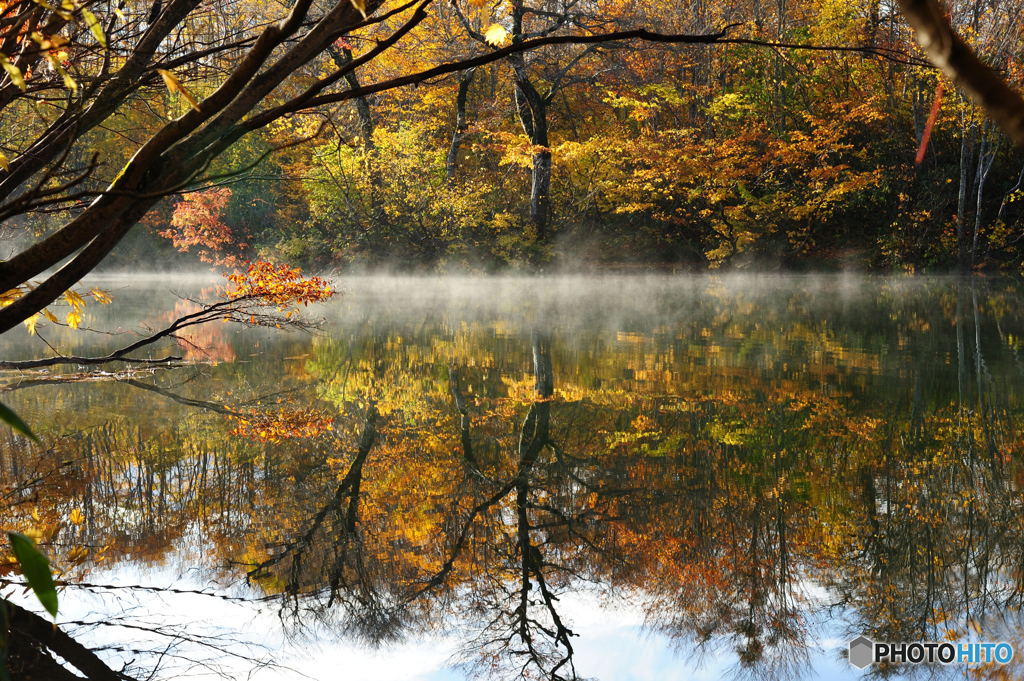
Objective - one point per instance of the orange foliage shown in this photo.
(197, 222)
(282, 425)
(279, 285)
(206, 342)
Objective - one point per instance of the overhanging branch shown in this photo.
(957, 60)
(719, 38)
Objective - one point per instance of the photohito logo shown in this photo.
(864, 651)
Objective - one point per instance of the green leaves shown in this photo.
(36, 569)
(12, 419)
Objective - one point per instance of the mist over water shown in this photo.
(745, 470)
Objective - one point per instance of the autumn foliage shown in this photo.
(277, 285)
(282, 424)
(197, 221)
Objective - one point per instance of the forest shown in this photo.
(797, 134)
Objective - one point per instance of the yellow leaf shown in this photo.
(94, 25)
(13, 71)
(63, 14)
(10, 296)
(3, 162)
(49, 315)
(74, 319)
(77, 517)
(101, 296)
(69, 82)
(496, 35)
(74, 300)
(360, 5)
(30, 324)
(174, 85)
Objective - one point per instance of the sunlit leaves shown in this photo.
(64, 11)
(496, 35)
(360, 6)
(77, 303)
(174, 85)
(55, 64)
(102, 297)
(417, 210)
(73, 299)
(197, 222)
(16, 77)
(278, 285)
(750, 192)
(94, 26)
(49, 42)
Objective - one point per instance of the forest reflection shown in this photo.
(740, 471)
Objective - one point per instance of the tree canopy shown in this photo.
(696, 134)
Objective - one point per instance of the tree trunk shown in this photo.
(969, 132)
(341, 58)
(533, 114)
(958, 60)
(780, 68)
(540, 206)
(986, 157)
(461, 124)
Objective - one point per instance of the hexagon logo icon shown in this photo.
(862, 652)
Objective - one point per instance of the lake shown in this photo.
(632, 477)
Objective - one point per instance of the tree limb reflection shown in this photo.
(519, 584)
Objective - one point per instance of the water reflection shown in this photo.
(742, 463)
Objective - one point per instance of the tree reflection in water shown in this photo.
(738, 483)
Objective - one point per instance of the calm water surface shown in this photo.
(615, 478)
